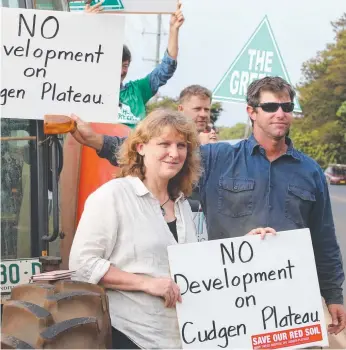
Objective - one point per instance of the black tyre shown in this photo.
(64, 315)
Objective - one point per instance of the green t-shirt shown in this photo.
(133, 99)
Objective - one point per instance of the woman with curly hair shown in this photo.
(128, 223)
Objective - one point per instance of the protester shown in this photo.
(264, 181)
(127, 224)
(195, 102)
(209, 135)
(135, 94)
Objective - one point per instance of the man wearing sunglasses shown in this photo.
(265, 182)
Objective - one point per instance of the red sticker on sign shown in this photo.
(286, 338)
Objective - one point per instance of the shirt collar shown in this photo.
(141, 190)
(252, 144)
(138, 186)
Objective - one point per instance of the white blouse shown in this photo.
(122, 224)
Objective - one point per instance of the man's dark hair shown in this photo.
(276, 85)
(195, 90)
(126, 54)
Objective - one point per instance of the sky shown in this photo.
(216, 31)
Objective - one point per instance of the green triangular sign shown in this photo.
(259, 57)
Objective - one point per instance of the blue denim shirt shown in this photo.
(240, 190)
(161, 74)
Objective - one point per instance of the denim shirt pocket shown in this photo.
(299, 203)
(235, 196)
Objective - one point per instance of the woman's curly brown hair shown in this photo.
(131, 163)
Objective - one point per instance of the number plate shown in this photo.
(16, 272)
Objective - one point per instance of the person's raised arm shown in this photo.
(105, 146)
(177, 20)
(165, 70)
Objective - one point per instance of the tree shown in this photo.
(235, 132)
(216, 110)
(165, 102)
(321, 131)
(341, 114)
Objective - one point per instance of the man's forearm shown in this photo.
(96, 142)
(110, 148)
(326, 248)
(329, 265)
(333, 296)
(330, 271)
(173, 47)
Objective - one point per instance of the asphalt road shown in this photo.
(338, 198)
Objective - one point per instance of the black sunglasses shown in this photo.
(272, 107)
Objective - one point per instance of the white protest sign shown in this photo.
(150, 6)
(60, 63)
(249, 293)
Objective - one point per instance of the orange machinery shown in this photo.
(82, 173)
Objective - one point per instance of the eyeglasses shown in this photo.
(272, 107)
(208, 129)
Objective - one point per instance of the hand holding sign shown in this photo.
(177, 18)
(94, 8)
(165, 288)
(85, 135)
(262, 231)
(338, 314)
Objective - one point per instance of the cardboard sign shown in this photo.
(249, 293)
(150, 6)
(131, 6)
(108, 5)
(60, 63)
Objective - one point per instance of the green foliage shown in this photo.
(341, 114)
(320, 143)
(165, 102)
(342, 110)
(321, 133)
(235, 132)
(216, 110)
